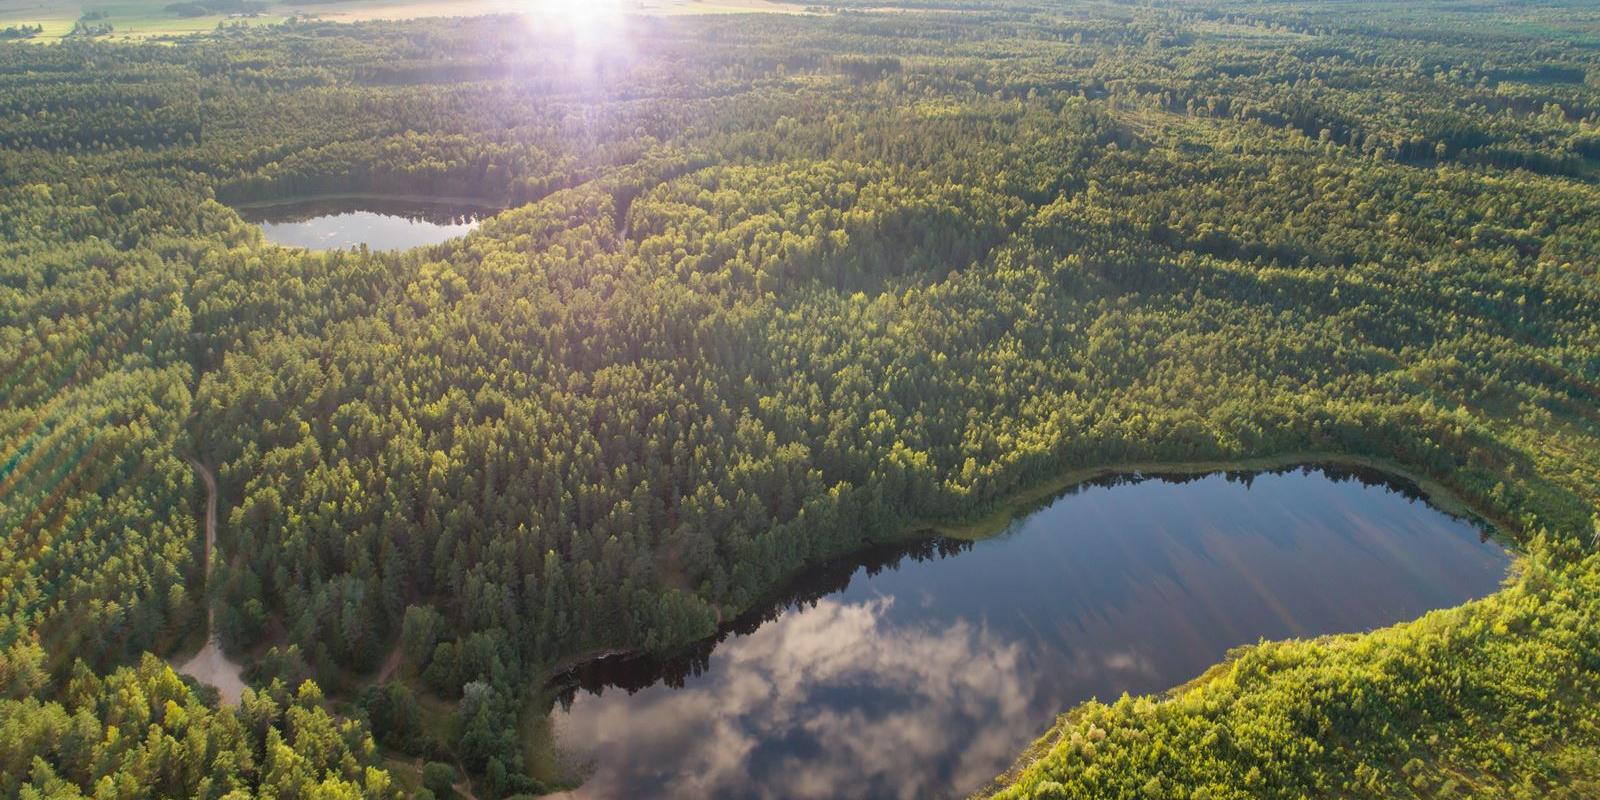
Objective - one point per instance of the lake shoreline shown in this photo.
(1437, 493)
(1100, 548)
(475, 202)
(1018, 505)
(349, 221)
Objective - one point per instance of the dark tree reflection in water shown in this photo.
(380, 224)
(922, 671)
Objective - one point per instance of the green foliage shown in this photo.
(768, 290)
(1492, 699)
(140, 731)
(439, 778)
(13, 32)
(394, 716)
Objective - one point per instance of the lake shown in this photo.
(379, 223)
(924, 670)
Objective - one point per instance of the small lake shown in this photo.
(379, 223)
(924, 670)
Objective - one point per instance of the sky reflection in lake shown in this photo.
(926, 677)
(349, 223)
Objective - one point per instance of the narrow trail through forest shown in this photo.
(391, 665)
(211, 666)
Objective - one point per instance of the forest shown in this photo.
(771, 290)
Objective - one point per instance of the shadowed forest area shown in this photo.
(771, 290)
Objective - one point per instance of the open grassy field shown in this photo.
(144, 19)
(357, 10)
(133, 19)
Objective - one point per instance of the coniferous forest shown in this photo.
(768, 290)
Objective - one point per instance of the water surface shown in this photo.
(925, 670)
(380, 224)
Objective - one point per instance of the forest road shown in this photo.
(210, 481)
(211, 666)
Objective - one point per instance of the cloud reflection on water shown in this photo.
(851, 698)
(925, 677)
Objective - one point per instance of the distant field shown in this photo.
(142, 19)
(133, 19)
(355, 10)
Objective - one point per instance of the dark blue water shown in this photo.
(926, 670)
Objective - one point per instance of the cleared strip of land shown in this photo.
(211, 666)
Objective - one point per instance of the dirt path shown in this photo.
(464, 787)
(211, 527)
(211, 666)
(390, 665)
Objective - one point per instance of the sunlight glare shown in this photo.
(589, 26)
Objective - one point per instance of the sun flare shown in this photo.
(585, 22)
(583, 34)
